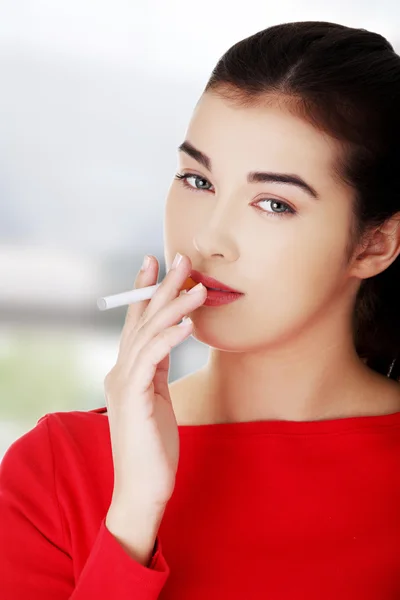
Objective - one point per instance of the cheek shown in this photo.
(299, 282)
(293, 294)
(293, 289)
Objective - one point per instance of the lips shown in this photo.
(211, 283)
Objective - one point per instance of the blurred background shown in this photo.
(95, 97)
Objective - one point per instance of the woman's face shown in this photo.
(276, 242)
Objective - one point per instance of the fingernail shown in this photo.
(197, 288)
(146, 263)
(186, 321)
(177, 260)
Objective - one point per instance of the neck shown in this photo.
(308, 381)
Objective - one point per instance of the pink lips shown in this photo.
(210, 282)
(220, 298)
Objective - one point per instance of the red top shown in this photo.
(269, 509)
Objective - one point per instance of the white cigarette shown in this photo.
(129, 297)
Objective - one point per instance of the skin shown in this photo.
(284, 350)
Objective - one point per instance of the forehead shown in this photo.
(259, 138)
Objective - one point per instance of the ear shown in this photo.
(380, 250)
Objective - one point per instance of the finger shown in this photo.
(150, 355)
(166, 317)
(170, 287)
(145, 277)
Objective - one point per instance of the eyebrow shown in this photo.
(253, 176)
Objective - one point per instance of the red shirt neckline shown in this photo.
(316, 427)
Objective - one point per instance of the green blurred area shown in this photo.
(41, 374)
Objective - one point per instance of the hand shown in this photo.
(143, 429)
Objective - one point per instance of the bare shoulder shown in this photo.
(394, 393)
(384, 395)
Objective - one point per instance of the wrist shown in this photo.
(136, 531)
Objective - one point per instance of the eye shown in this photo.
(185, 177)
(274, 201)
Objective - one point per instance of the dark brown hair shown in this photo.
(345, 81)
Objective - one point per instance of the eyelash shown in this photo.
(182, 177)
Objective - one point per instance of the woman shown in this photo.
(288, 439)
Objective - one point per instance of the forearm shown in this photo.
(136, 533)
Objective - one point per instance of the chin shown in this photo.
(226, 341)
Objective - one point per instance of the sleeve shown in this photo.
(34, 562)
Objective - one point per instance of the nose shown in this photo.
(212, 244)
(216, 236)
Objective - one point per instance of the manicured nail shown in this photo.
(197, 288)
(186, 322)
(146, 263)
(177, 260)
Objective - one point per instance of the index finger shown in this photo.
(145, 277)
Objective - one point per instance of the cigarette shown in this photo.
(136, 295)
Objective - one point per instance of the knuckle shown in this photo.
(141, 357)
(144, 355)
(144, 316)
(163, 335)
(130, 321)
(136, 337)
